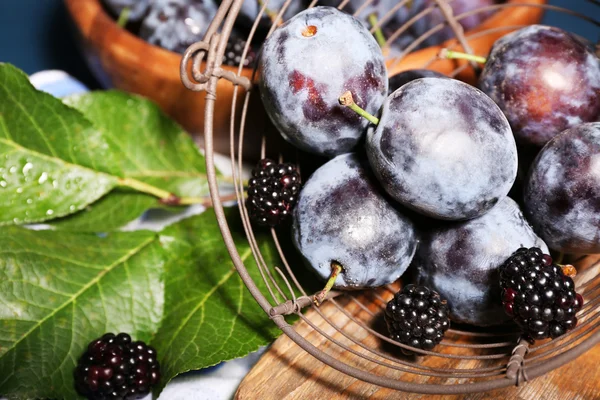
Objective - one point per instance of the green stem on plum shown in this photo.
(378, 32)
(336, 269)
(559, 258)
(124, 17)
(457, 55)
(348, 101)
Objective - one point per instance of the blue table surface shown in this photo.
(35, 34)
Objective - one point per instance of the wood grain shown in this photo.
(287, 372)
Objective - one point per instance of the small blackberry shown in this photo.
(418, 317)
(272, 192)
(114, 367)
(233, 53)
(538, 295)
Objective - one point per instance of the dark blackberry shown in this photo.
(114, 367)
(233, 53)
(418, 317)
(272, 192)
(538, 295)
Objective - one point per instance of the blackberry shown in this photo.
(114, 367)
(272, 192)
(233, 53)
(538, 295)
(418, 317)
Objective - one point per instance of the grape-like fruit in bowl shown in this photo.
(137, 8)
(177, 24)
(460, 261)
(545, 80)
(444, 149)
(343, 216)
(562, 192)
(306, 64)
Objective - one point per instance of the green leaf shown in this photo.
(150, 146)
(59, 291)
(110, 213)
(57, 161)
(210, 316)
(48, 152)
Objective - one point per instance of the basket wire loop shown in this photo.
(497, 366)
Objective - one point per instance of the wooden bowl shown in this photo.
(122, 60)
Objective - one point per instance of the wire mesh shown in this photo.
(475, 360)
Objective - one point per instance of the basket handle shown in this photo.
(212, 46)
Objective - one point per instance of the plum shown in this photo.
(562, 192)
(544, 80)
(460, 261)
(177, 24)
(443, 148)
(137, 8)
(343, 216)
(306, 64)
(410, 75)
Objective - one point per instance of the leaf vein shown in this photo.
(94, 281)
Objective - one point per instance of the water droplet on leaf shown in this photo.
(43, 178)
(27, 167)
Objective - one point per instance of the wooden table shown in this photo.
(287, 372)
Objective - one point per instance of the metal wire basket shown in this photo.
(495, 358)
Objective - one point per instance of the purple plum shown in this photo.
(177, 24)
(343, 215)
(306, 65)
(444, 149)
(545, 81)
(562, 192)
(460, 261)
(137, 8)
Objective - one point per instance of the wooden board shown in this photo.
(287, 372)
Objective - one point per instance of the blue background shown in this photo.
(35, 34)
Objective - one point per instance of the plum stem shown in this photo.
(124, 17)
(457, 55)
(378, 32)
(559, 258)
(568, 269)
(348, 101)
(336, 269)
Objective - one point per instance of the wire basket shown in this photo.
(475, 360)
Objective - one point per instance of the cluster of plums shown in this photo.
(438, 151)
(177, 24)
